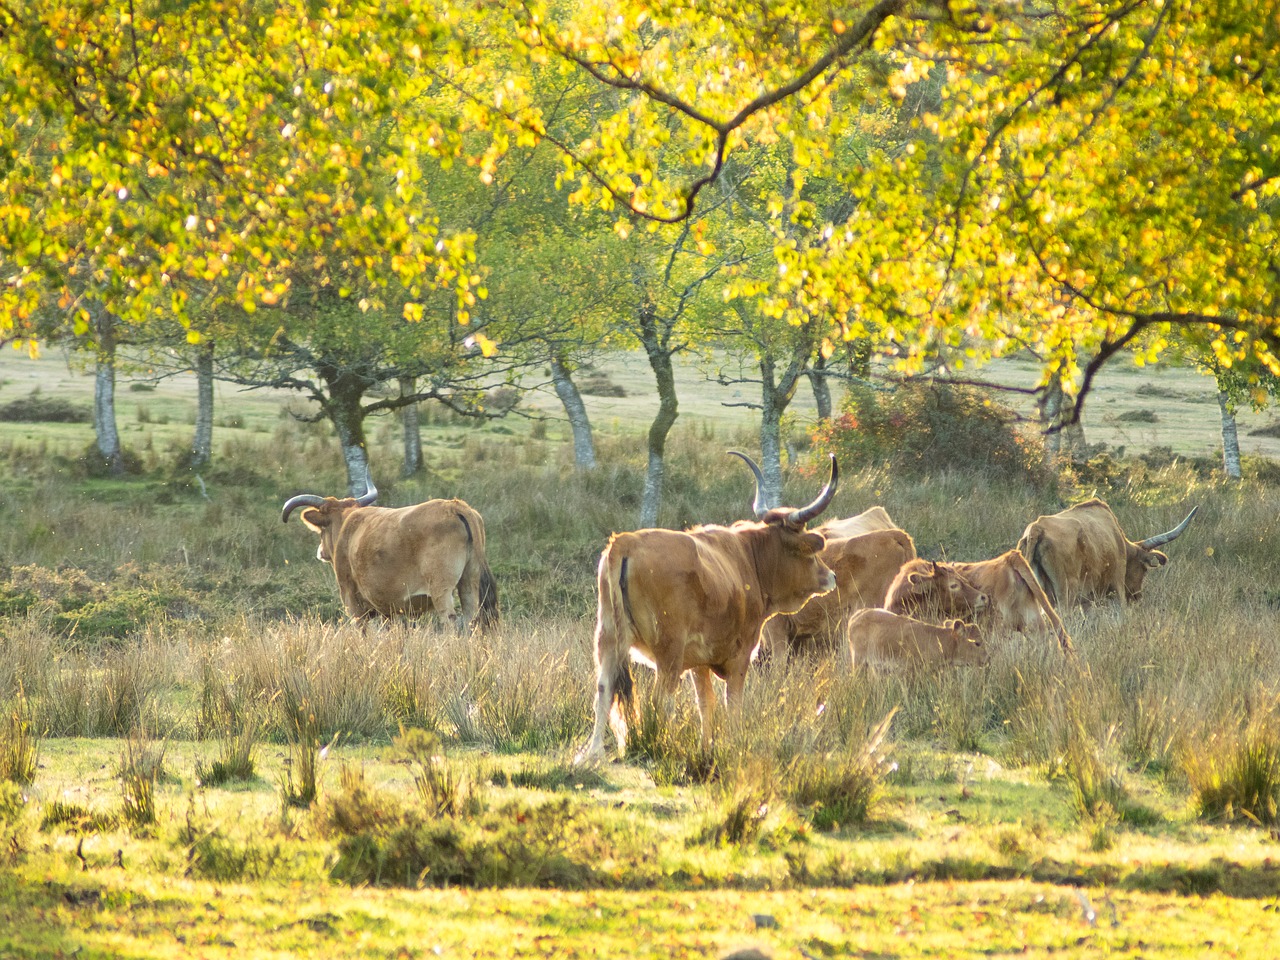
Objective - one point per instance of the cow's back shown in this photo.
(868, 521)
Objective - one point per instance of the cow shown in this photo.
(934, 590)
(879, 637)
(695, 600)
(398, 561)
(864, 567)
(1081, 554)
(1015, 599)
(868, 521)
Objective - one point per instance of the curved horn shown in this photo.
(757, 505)
(805, 514)
(1161, 539)
(302, 500)
(370, 494)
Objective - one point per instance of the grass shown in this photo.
(979, 818)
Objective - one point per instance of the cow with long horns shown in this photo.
(1082, 554)
(695, 601)
(403, 561)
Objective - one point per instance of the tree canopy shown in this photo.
(1078, 178)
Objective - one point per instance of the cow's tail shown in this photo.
(1031, 546)
(1023, 571)
(615, 692)
(488, 617)
(487, 590)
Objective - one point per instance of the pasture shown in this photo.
(219, 766)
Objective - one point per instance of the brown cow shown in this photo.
(695, 600)
(403, 560)
(864, 566)
(879, 637)
(931, 589)
(868, 521)
(1015, 600)
(1082, 554)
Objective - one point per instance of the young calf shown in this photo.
(879, 637)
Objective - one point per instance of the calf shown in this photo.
(879, 637)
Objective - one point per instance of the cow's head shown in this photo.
(324, 515)
(969, 646)
(936, 588)
(793, 573)
(1143, 556)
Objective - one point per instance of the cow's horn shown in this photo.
(1161, 539)
(805, 514)
(302, 500)
(757, 505)
(370, 494)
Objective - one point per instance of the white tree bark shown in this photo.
(104, 392)
(584, 449)
(1230, 437)
(202, 442)
(412, 430)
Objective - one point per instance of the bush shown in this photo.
(923, 428)
(39, 409)
(1237, 778)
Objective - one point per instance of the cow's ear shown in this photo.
(915, 579)
(314, 518)
(1154, 558)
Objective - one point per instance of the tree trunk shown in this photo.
(776, 395)
(202, 443)
(104, 393)
(668, 409)
(346, 390)
(412, 430)
(821, 387)
(584, 448)
(1230, 439)
(1062, 439)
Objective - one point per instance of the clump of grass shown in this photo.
(141, 767)
(839, 788)
(19, 745)
(299, 786)
(75, 818)
(13, 823)
(1237, 776)
(1097, 790)
(442, 791)
(237, 724)
(666, 735)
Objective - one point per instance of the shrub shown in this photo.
(40, 409)
(921, 428)
(19, 746)
(1237, 777)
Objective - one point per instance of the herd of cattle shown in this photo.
(710, 599)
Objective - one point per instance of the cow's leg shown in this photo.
(613, 676)
(705, 689)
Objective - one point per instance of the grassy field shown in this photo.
(176, 678)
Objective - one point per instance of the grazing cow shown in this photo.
(868, 521)
(1082, 554)
(864, 566)
(403, 560)
(695, 600)
(932, 589)
(1015, 600)
(879, 637)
